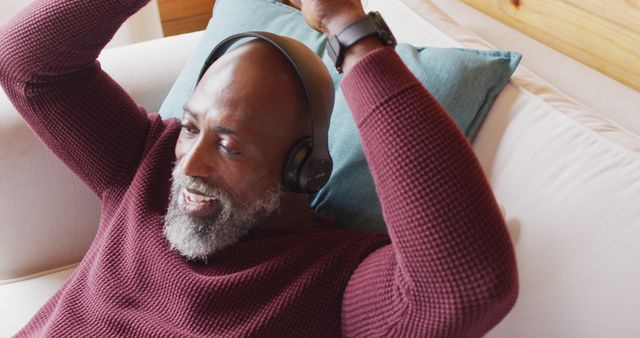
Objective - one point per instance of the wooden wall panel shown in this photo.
(604, 34)
(184, 16)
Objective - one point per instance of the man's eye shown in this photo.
(189, 130)
(229, 151)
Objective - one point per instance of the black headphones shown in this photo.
(308, 165)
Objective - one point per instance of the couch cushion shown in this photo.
(22, 297)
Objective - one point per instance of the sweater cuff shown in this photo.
(378, 75)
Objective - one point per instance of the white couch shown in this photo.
(568, 179)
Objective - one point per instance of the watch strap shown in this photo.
(339, 43)
(357, 31)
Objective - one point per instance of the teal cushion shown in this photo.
(464, 81)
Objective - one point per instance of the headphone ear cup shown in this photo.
(294, 164)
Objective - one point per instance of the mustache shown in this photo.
(180, 180)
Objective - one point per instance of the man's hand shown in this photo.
(329, 16)
(332, 16)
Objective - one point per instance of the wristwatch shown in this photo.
(371, 24)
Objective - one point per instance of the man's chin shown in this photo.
(196, 239)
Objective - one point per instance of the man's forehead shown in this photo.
(211, 105)
(253, 84)
(214, 117)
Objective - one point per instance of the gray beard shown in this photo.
(197, 238)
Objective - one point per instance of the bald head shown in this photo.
(257, 78)
(243, 117)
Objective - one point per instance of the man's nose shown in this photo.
(197, 162)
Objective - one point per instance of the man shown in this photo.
(213, 245)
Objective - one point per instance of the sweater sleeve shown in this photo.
(49, 71)
(450, 270)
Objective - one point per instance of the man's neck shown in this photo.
(294, 213)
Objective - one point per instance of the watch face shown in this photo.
(383, 30)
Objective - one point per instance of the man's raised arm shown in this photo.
(49, 71)
(450, 270)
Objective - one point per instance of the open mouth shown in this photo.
(196, 204)
(197, 196)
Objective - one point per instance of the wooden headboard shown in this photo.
(603, 34)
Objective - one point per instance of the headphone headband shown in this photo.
(309, 172)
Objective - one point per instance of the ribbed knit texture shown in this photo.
(448, 272)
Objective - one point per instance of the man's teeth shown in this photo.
(198, 198)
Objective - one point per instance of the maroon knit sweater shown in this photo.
(447, 268)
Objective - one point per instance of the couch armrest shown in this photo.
(147, 70)
(48, 217)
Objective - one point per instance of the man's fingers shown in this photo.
(293, 3)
